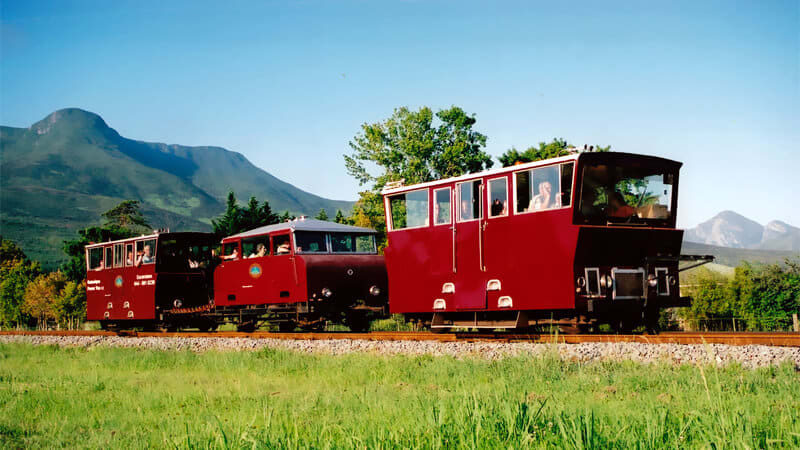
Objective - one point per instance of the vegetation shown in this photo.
(557, 147)
(414, 146)
(236, 219)
(16, 272)
(756, 297)
(114, 397)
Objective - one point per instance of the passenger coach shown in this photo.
(578, 240)
(302, 273)
(148, 280)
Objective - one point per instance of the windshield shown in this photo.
(183, 255)
(626, 194)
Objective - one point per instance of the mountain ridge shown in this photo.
(733, 230)
(60, 173)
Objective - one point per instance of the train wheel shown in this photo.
(247, 327)
(357, 322)
(286, 327)
(104, 325)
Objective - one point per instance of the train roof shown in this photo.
(303, 224)
(151, 236)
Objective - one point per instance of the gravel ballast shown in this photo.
(750, 356)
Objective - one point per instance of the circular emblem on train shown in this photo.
(118, 281)
(350, 272)
(255, 270)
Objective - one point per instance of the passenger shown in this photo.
(261, 250)
(617, 207)
(129, 260)
(498, 207)
(234, 255)
(193, 264)
(544, 199)
(146, 257)
(283, 249)
(101, 266)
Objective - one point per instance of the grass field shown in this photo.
(110, 397)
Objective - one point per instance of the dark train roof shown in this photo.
(303, 225)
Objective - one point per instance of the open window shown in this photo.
(255, 247)
(441, 206)
(96, 258)
(107, 264)
(281, 245)
(230, 250)
(145, 252)
(543, 188)
(469, 196)
(498, 197)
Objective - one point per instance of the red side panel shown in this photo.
(120, 292)
(265, 280)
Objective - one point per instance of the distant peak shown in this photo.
(70, 117)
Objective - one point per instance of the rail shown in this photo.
(728, 338)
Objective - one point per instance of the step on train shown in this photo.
(576, 241)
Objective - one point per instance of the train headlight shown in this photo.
(606, 282)
(652, 280)
(177, 303)
(439, 303)
(672, 280)
(375, 290)
(581, 281)
(327, 292)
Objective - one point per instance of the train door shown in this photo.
(229, 285)
(470, 274)
(282, 268)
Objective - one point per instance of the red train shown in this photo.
(300, 273)
(576, 241)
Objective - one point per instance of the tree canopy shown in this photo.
(557, 147)
(236, 219)
(126, 215)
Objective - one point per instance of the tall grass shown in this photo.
(103, 397)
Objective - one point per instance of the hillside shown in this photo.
(728, 256)
(58, 175)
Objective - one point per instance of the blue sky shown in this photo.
(288, 84)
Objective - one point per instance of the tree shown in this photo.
(558, 147)
(41, 296)
(413, 146)
(286, 216)
(126, 215)
(70, 305)
(16, 272)
(236, 219)
(340, 217)
(322, 215)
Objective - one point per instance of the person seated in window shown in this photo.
(543, 200)
(498, 207)
(234, 255)
(129, 260)
(146, 257)
(101, 266)
(283, 249)
(617, 207)
(261, 250)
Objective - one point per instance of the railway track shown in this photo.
(729, 338)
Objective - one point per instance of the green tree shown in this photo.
(285, 217)
(70, 305)
(322, 215)
(340, 217)
(557, 147)
(711, 307)
(413, 146)
(126, 215)
(236, 219)
(41, 295)
(16, 272)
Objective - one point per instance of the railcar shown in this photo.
(576, 241)
(145, 281)
(301, 273)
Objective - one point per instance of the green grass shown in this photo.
(103, 397)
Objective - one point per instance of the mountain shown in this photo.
(58, 175)
(729, 229)
(732, 257)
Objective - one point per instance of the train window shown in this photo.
(255, 247)
(95, 259)
(280, 245)
(352, 243)
(145, 252)
(469, 194)
(409, 209)
(498, 197)
(119, 257)
(129, 255)
(228, 248)
(109, 254)
(539, 189)
(441, 206)
(310, 242)
(566, 183)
